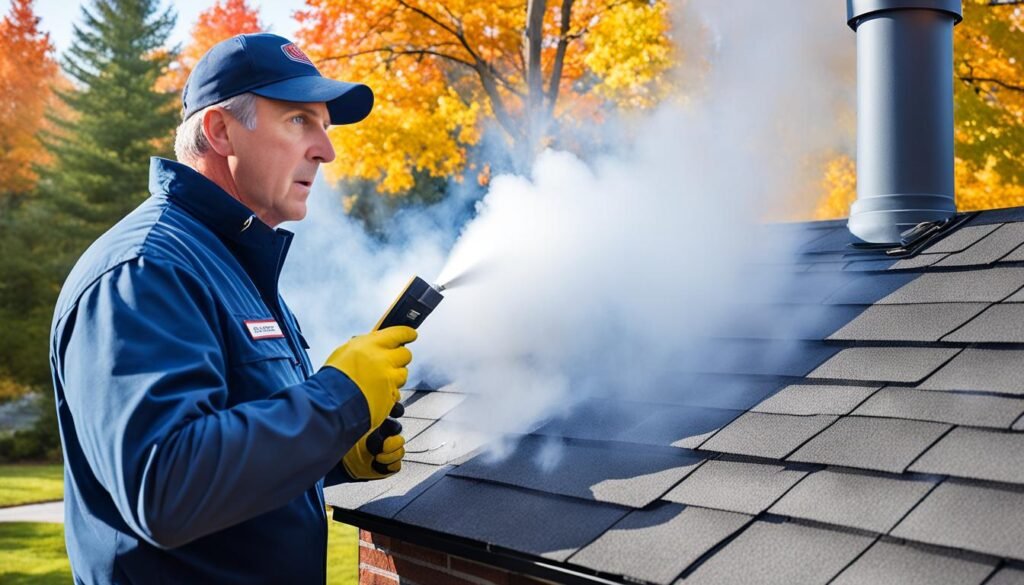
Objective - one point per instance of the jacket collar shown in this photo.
(210, 204)
(260, 248)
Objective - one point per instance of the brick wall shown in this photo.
(384, 560)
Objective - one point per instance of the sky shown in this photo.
(276, 15)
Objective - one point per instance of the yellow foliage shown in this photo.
(839, 186)
(983, 188)
(443, 72)
(628, 49)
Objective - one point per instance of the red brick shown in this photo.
(367, 577)
(419, 553)
(377, 539)
(376, 558)
(424, 575)
(488, 573)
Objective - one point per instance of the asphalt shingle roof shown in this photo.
(877, 438)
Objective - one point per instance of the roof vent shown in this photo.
(904, 115)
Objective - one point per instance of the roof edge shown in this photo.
(480, 552)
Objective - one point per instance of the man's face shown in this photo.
(274, 165)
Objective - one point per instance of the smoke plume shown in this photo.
(598, 275)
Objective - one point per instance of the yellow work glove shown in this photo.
(378, 453)
(376, 363)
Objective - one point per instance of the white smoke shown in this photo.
(597, 276)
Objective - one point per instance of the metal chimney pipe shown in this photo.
(904, 114)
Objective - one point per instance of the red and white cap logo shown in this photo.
(295, 54)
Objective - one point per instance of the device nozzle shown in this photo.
(438, 287)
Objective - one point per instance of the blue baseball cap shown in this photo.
(271, 66)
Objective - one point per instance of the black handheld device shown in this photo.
(412, 306)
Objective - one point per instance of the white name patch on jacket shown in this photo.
(263, 329)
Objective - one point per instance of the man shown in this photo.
(196, 436)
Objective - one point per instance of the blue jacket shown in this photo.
(196, 436)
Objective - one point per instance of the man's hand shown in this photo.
(376, 363)
(378, 453)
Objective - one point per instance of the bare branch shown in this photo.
(972, 80)
(563, 45)
(393, 51)
(534, 37)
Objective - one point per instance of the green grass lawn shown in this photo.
(27, 484)
(33, 553)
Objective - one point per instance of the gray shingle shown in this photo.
(657, 545)
(884, 364)
(523, 521)
(1017, 255)
(864, 500)
(972, 517)
(737, 486)
(870, 443)
(985, 370)
(961, 239)
(1007, 576)
(712, 391)
(951, 407)
(887, 562)
(920, 261)
(1017, 297)
(477, 413)
(431, 404)
(808, 322)
(805, 399)
(678, 426)
(411, 427)
(857, 266)
(989, 285)
(385, 497)
(836, 240)
(922, 322)
(787, 553)
(804, 288)
(867, 290)
(617, 474)
(999, 324)
(444, 442)
(990, 248)
(599, 419)
(976, 453)
(757, 357)
(770, 436)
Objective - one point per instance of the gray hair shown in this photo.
(190, 143)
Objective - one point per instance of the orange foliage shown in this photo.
(27, 71)
(443, 71)
(223, 20)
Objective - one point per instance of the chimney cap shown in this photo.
(856, 10)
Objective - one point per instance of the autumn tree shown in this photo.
(223, 20)
(988, 98)
(27, 71)
(443, 72)
(98, 168)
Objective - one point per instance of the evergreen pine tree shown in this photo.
(118, 120)
(98, 171)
